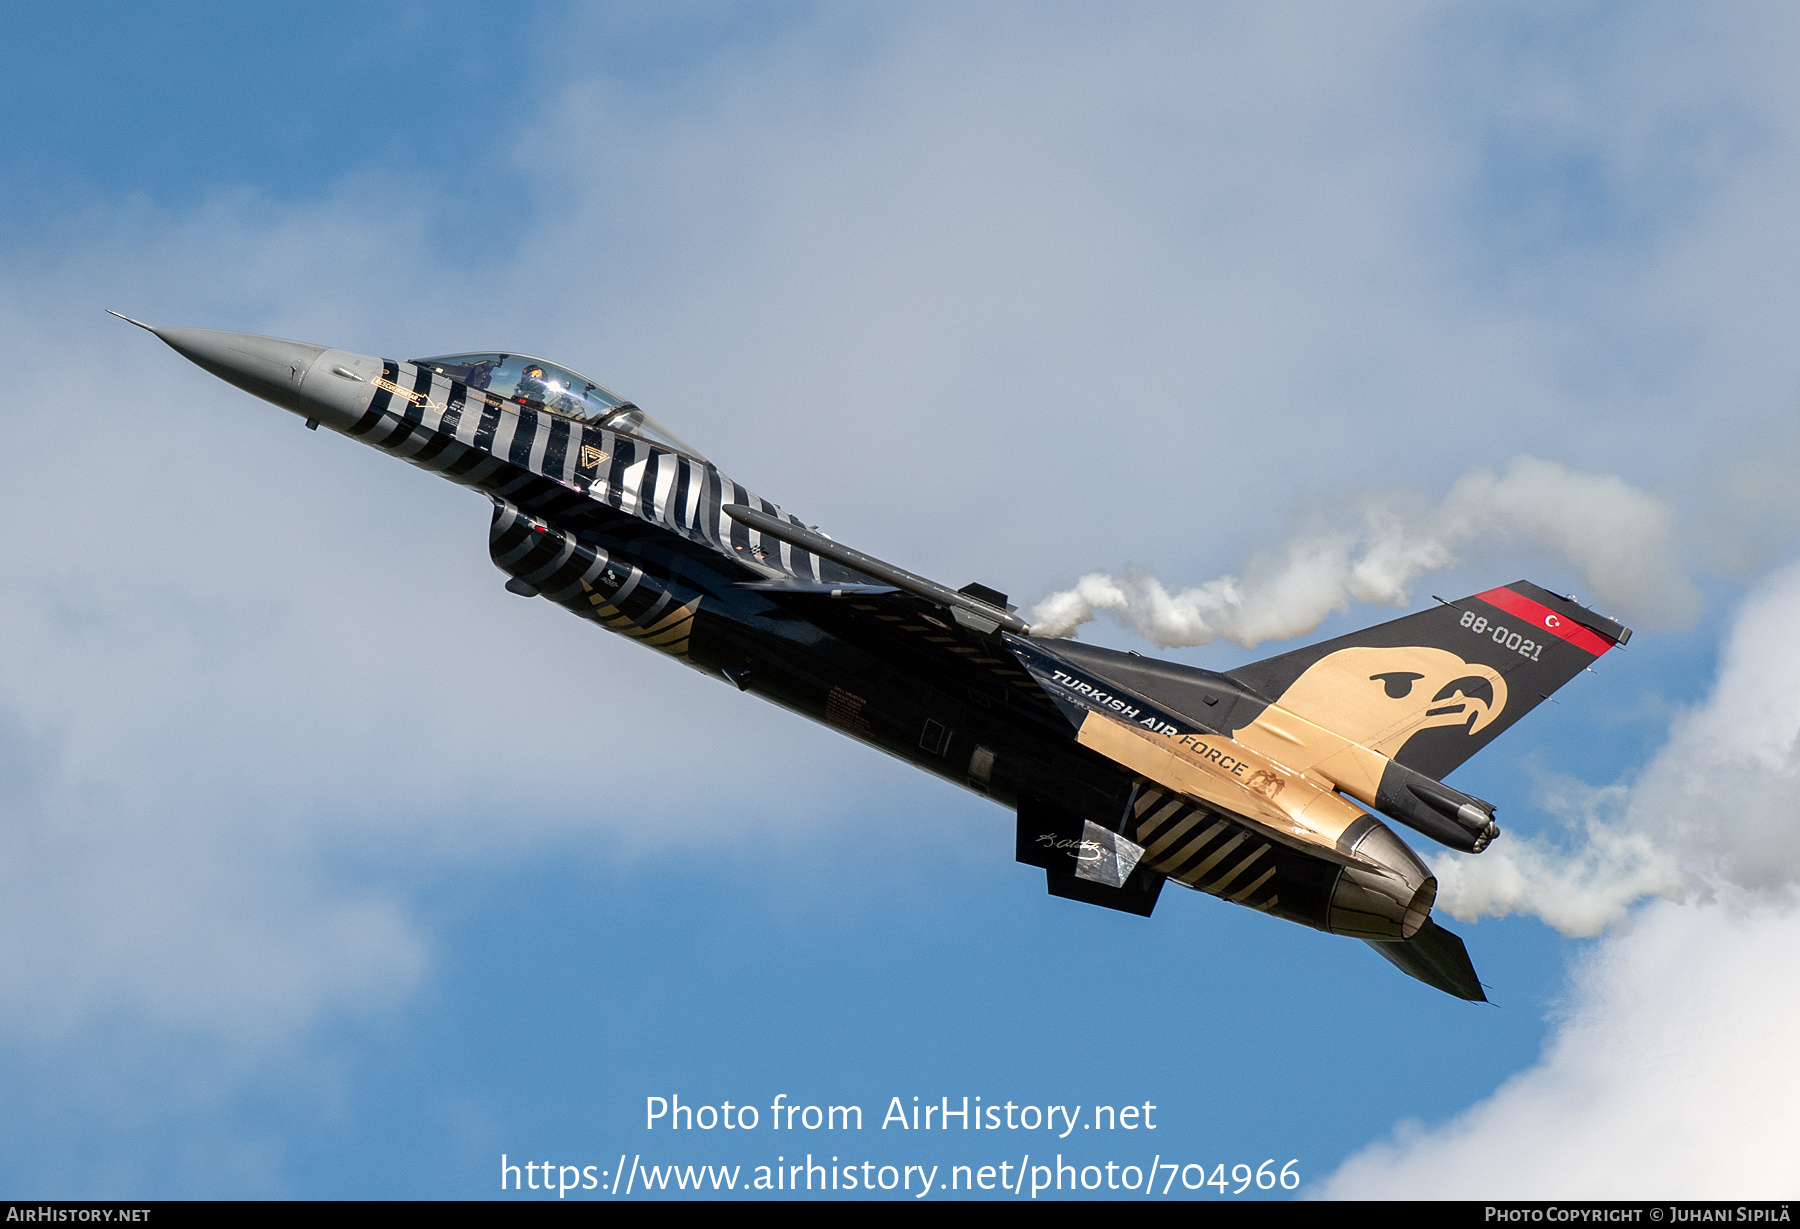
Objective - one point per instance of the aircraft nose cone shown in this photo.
(269, 367)
(326, 387)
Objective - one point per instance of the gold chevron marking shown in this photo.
(1195, 846)
(610, 616)
(660, 639)
(1161, 817)
(1240, 896)
(1176, 833)
(670, 633)
(680, 612)
(1224, 881)
(1194, 876)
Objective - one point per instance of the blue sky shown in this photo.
(328, 869)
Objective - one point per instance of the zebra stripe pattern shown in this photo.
(589, 581)
(553, 465)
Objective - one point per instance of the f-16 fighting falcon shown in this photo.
(1255, 786)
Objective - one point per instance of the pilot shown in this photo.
(532, 388)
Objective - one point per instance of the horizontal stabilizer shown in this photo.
(1437, 958)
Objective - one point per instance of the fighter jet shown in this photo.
(1260, 786)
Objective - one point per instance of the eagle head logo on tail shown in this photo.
(1380, 697)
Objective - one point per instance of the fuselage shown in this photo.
(629, 531)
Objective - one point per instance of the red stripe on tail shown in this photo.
(1539, 615)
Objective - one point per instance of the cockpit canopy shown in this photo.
(520, 380)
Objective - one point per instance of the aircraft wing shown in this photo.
(972, 606)
(951, 636)
(917, 637)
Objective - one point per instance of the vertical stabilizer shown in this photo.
(1430, 690)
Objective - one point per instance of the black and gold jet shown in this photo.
(1125, 772)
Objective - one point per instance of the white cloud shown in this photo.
(1670, 1075)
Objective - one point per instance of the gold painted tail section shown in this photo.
(1345, 718)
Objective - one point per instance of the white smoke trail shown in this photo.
(1715, 814)
(1669, 1073)
(1581, 885)
(1617, 535)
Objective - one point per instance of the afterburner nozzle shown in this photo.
(1388, 900)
